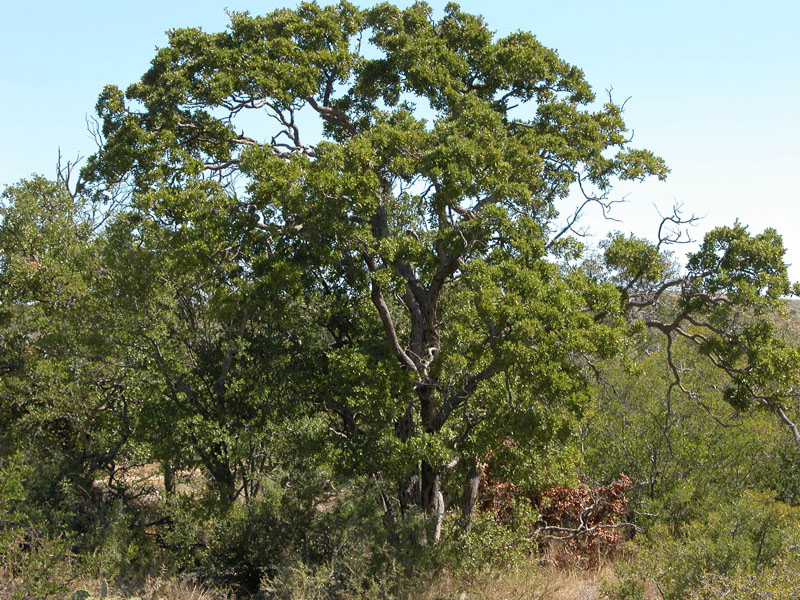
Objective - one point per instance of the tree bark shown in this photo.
(426, 392)
(431, 483)
(437, 508)
(469, 497)
(169, 477)
(408, 493)
(432, 498)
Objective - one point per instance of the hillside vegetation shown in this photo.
(238, 361)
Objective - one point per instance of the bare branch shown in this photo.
(602, 201)
(64, 174)
(290, 131)
(670, 230)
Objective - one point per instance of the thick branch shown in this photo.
(417, 324)
(448, 265)
(386, 316)
(333, 116)
(652, 299)
(789, 423)
(457, 399)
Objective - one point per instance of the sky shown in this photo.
(712, 86)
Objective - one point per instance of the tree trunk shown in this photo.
(223, 478)
(169, 477)
(430, 484)
(408, 493)
(469, 497)
(424, 491)
(426, 392)
(432, 498)
(423, 487)
(438, 509)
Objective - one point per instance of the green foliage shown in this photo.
(36, 559)
(61, 403)
(744, 536)
(331, 328)
(492, 544)
(418, 244)
(625, 589)
(749, 270)
(684, 453)
(771, 583)
(633, 259)
(390, 212)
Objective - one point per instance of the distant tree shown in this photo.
(685, 453)
(457, 311)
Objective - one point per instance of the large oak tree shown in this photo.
(410, 168)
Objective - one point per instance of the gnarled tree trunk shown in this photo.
(469, 496)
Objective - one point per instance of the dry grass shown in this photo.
(153, 588)
(526, 582)
(156, 589)
(531, 582)
(523, 583)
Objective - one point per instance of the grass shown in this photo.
(153, 588)
(522, 582)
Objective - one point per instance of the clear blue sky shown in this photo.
(714, 88)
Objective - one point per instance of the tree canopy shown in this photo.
(403, 173)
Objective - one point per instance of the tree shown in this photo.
(198, 327)
(458, 313)
(66, 413)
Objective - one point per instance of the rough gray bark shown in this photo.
(169, 477)
(438, 509)
(469, 497)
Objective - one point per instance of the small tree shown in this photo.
(64, 417)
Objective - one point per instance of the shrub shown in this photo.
(778, 582)
(35, 562)
(737, 538)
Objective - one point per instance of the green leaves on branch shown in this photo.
(749, 270)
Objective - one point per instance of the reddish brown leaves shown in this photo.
(585, 522)
(588, 522)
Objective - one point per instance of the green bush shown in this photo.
(777, 582)
(625, 589)
(35, 561)
(743, 537)
(290, 528)
(240, 545)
